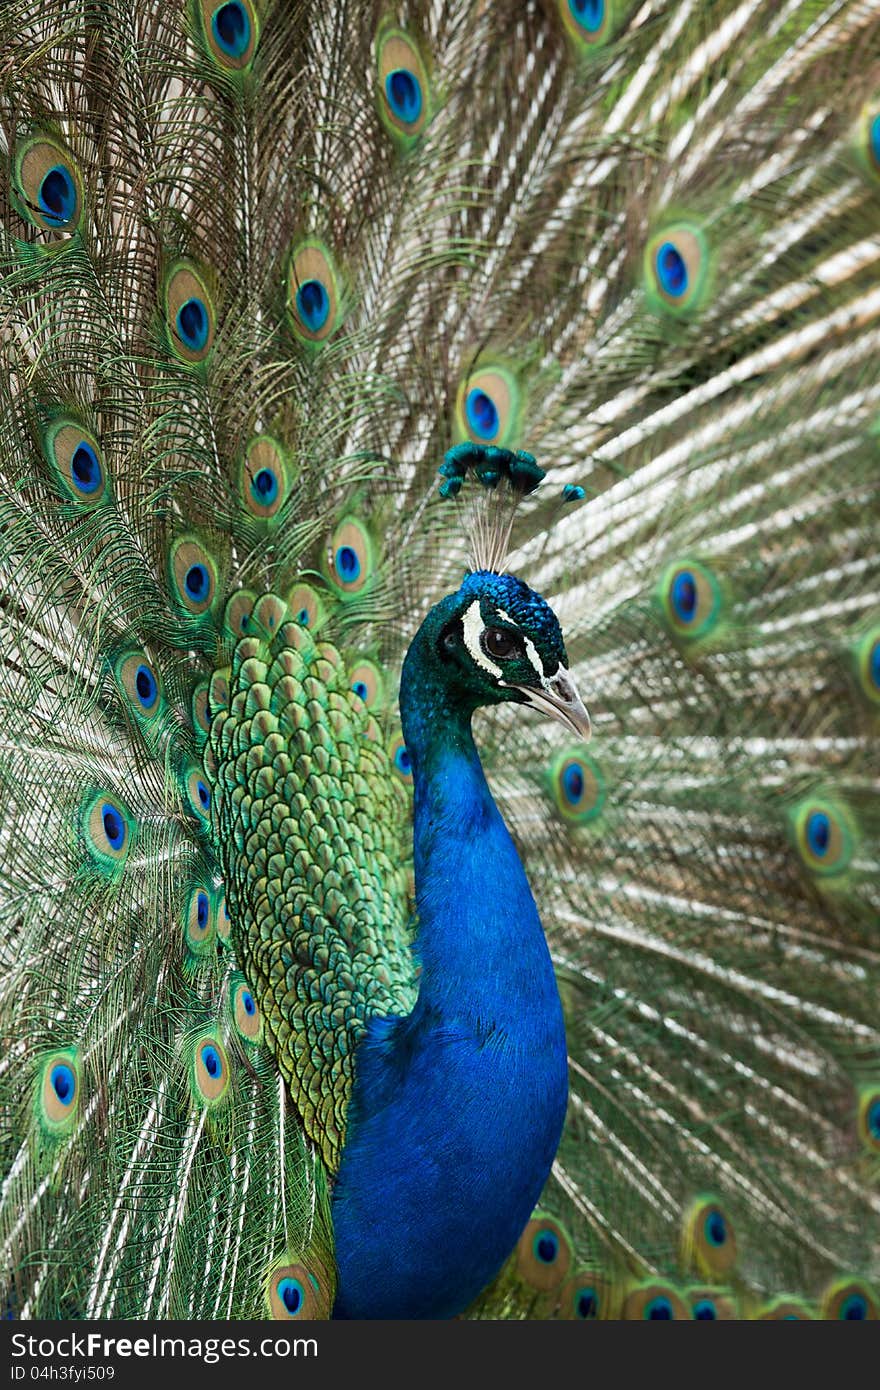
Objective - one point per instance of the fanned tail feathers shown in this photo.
(263, 264)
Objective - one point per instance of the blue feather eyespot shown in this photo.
(58, 1094)
(85, 469)
(654, 1301)
(869, 1117)
(305, 605)
(57, 196)
(866, 658)
(313, 305)
(265, 481)
(577, 787)
(239, 613)
(230, 31)
(141, 684)
(314, 292)
(347, 564)
(587, 1303)
(200, 923)
(403, 83)
(352, 557)
(108, 831)
(712, 1304)
(245, 1010)
(543, 1253)
(824, 836)
(48, 184)
(198, 794)
(589, 23)
(545, 1247)
(209, 1070)
(482, 415)
(295, 1293)
(868, 141)
(368, 684)
(189, 313)
(231, 27)
(400, 758)
(690, 598)
(850, 1300)
(146, 687)
(403, 92)
(677, 269)
(193, 576)
(193, 324)
(77, 461)
(708, 1239)
(488, 407)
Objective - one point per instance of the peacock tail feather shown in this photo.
(263, 265)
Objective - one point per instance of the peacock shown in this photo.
(385, 386)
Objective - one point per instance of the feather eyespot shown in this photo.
(869, 1118)
(577, 787)
(264, 478)
(543, 1253)
(676, 268)
(108, 831)
(488, 407)
(58, 1097)
(245, 1011)
(48, 184)
(367, 683)
(824, 836)
(866, 657)
(189, 313)
(193, 576)
(231, 31)
(691, 600)
(305, 606)
(850, 1300)
(76, 458)
(295, 1292)
(239, 613)
(141, 683)
(401, 761)
(209, 1074)
(654, 1301)
(588, 22)
(708, 1239)
(351, 557)
(867, 141)
(404, 86)
(314, 297)
(200, 922)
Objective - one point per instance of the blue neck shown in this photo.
(478, 923)
(457, 1110)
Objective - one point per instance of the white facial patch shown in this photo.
(473, 628)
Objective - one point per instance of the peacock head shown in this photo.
(497, 641)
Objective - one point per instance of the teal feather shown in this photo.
(263, 266)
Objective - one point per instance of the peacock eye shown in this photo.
(498, 643)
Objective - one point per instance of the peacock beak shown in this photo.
(558, 697)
